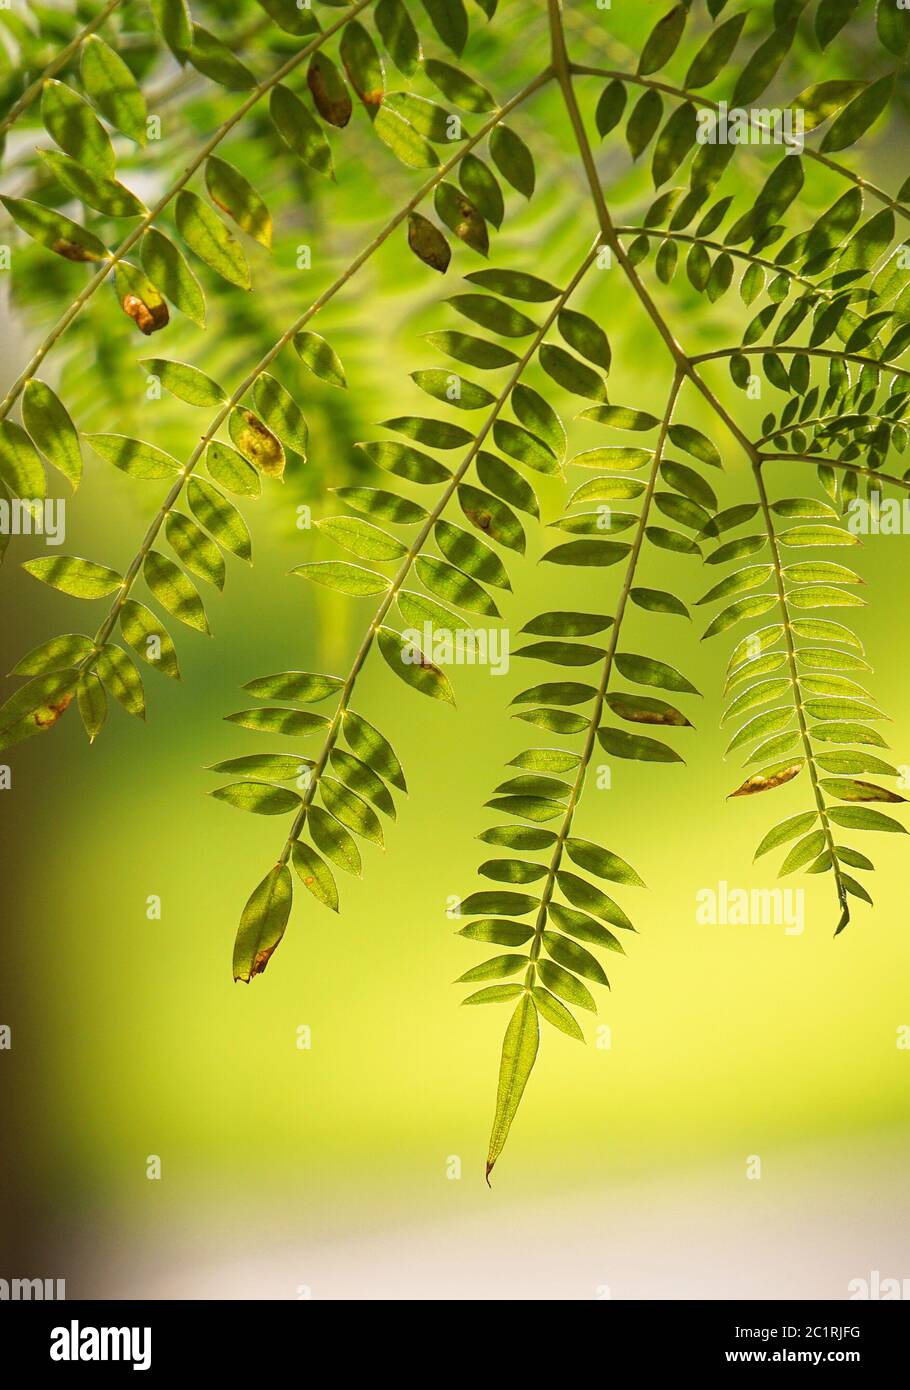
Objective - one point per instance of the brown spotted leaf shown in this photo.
(428, 243)
(765, 782)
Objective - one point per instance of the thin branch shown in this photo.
(419, 542)
(735, 251)
(856, 357)
(845, 465)
(262, 365)
(126, 246)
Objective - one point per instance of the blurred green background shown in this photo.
(332, 1169)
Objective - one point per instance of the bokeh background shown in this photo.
(354, 1168)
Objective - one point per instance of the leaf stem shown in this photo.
(115, 257)
(597, 711)
(845, 465)
(420, 540)
(364, 255)
(805, 736)
(856, 357)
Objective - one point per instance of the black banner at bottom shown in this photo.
(96, 1338)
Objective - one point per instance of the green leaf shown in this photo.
(399, 35)
(519, 1053)
(300, 131)
(261, 798)
(621, 744)
(409, 663)
(144, 633)
(281, 413)
(350, 809)
(646, 670)
(263, 923)
(407, 144)
(362, 538)
(133, 457)
(564, 983)
(346, 578)
(663, 39)
(450, 20)
(585, 336)
(459, 87)
(712, 57)
(191, 545)
(48, 423)
(864, 818)
(167, 268)
(588, 553)
(601, 862)
(173, 19)
(329, 835)
(513, 159)
(304, 686)
(763, 64)
(175, 593)
(803, 852)
(92, 703)
(294, 723)
(105, 195)
(369, 744)
(696, 444)
(453, 586)
(470, 554)
(524, 446)
(71, 575)
(674, 143)
(859, 115)
(610, 107)
(386, 505)
(482, 188)
(786, 830)
(315, 874)
(361, 779)
(185, 382)
(475, 351)
(571, 374)
(112, 87)
(573, 957)
(206, 235)
(494, 994)
(406, 462)
(497, 968)
(564, 624)
(512, 870)
(56, 654)
(320, 358)
(235, 195)
(514, 284)
(53, 230)
(220, 517)
(505, 481)
(270, 767)
(497, 931)
(73, 125)
(643, 121)
(209, 55)
(362, 64)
